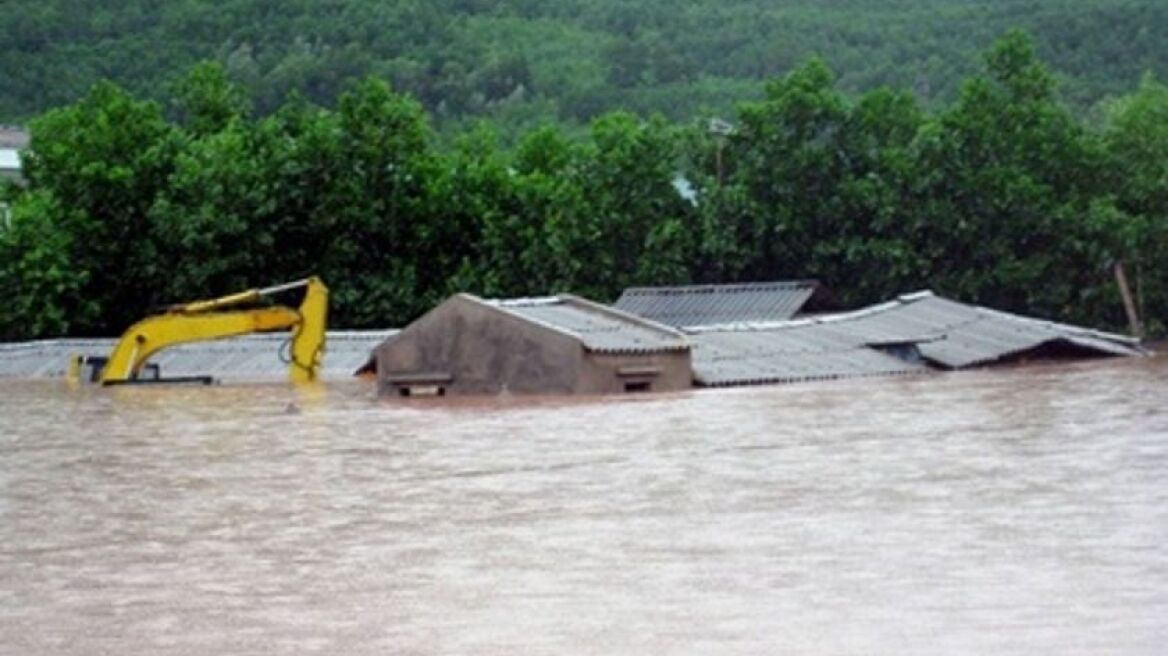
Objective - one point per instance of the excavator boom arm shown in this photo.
(308, 338)
(203, 321)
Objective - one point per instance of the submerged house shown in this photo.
(915, 333)
(719, 335)
(553, 345)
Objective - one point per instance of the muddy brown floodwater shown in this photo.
(1019, 511)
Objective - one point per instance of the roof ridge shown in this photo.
(724, 287)
(523, 301)
(835, 317)
(507, 310)
(1058, 325)
(679, 339)
(608, 310)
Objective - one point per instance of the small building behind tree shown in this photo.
(552, 345)
(12, 141)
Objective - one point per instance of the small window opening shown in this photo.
(906, 351)
(422, 390)
(150, 371)
(640, 386)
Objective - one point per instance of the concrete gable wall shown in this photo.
(483, 350)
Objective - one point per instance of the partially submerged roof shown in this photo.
(753, 357)
(701, 305)
(907, 335)
(247, 358)
(960, 335)
(599, 328)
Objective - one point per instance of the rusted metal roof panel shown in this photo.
(599, 328)
(701, 305)
(237, 359)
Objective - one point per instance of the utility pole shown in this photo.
(721, 130)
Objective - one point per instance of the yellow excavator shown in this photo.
(214, 319)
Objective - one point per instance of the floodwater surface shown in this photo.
(1020, 511)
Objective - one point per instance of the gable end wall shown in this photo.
(484, 350)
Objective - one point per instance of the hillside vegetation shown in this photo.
(1002, 197)
(523, 61)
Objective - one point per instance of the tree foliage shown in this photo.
(1002, 196)
(1136, 140)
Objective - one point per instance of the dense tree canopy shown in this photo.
(1002, 196)
(520, 61)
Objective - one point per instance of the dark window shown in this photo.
(903, 351)
(642, 386)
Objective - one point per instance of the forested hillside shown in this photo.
(522, 61)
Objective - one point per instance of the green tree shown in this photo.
(784, 153)
(1009, 188)
(811, 183)
(101, 162)
(207, 101)
(635, 228)
(219, 217)
(1136, 136)
(374, 218)
(868, 246)
(39, 276)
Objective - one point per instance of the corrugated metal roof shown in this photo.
(945, 333)
(600, 328)
(700, 305)
(236, 359)
(754, 357)
(975, 335)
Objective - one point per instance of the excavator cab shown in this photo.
(227, 316)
